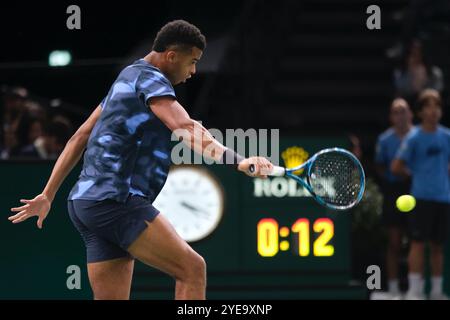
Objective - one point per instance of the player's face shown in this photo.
(431, 112)
(400, 115)
(184, 65)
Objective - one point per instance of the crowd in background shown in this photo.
(28, 130)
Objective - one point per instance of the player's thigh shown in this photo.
(111, 279)
(161, 247)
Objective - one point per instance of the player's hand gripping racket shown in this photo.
(334, 177)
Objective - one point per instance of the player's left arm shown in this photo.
(41, 204)
(199, 139)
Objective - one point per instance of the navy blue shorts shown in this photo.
(109, 227)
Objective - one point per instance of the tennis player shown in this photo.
(125, 166)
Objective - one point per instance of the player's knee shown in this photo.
(195, 269)
(198, 266)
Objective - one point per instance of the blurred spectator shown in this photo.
(424, 154)
(14, 101)
(13, 107)
(416, 74)
(52, 141)
(25, 132)
(36, 130)
(388, 143)
(28, 131)
(35, 110)
(9, 142)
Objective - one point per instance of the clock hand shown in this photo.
(193, 209)
(187, 205)
(198, 209)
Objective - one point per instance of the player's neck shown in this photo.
(155, 60)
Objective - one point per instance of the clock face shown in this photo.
(192, 201)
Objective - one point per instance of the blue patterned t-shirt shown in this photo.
(128, 150)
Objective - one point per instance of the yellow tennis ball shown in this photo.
(405, 203)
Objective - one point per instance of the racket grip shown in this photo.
(276, 170)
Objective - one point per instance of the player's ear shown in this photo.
(171, 56)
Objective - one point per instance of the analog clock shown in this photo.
(192, 200)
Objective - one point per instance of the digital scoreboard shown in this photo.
(271, 238)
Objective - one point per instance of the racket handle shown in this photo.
(276, 170)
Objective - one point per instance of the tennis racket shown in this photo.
(334, 177)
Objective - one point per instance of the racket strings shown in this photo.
(336, 178)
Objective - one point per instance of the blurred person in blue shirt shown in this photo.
(424, 154)
(392, 186)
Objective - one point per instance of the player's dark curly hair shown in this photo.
(180, 33)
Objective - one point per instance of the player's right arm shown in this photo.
(40, 205)
(198, 138)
